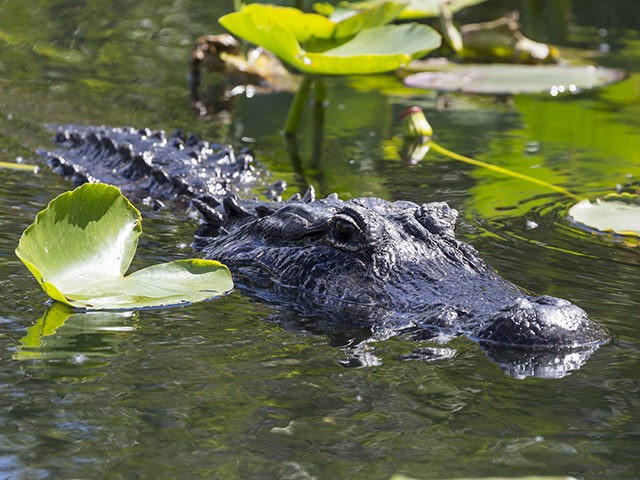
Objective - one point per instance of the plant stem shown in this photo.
(456, 156)
(320, 91)
(19, 166)
(297, 106)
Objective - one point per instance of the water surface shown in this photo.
(225, 389)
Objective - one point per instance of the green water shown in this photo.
(227, 389)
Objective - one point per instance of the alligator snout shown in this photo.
(542, 322)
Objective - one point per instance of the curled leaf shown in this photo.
(80, 247)
(413, 8)
(346, 50)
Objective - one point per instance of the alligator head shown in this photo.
(397, 267)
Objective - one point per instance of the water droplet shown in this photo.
(79, 359)
(532, 147)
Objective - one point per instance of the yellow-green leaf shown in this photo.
(373, 50)
(80, 247)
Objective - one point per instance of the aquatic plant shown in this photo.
(413, 9)
(617, 214)
(359, 42)
(509, 79)
(80, 247)
(23, 167)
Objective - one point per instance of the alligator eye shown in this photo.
(344, 230)
(346, 234)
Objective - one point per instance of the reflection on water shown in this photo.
(521, 364)
(221, 389)
(62, 332)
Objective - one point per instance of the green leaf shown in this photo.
(373, 50)
(266, 31)
(501, 79)
(374, 16)
(80, 247)
(431, 8)
(307, 27)
(303, 26)
(413, 9)
(615, 213)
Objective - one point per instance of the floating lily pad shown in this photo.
(413, 9)
(372, 50)
(80, 247)
(618, 214)
(503, 79)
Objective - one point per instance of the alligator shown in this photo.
(357, 270)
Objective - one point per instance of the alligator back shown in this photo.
(150, 165)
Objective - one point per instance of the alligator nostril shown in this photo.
(549, 300)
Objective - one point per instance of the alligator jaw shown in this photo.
(542, 323)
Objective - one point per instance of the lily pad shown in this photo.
(80, 247)
(618, 214)
(313, 26)
(504, 79)
(414, 8)
(372, 50)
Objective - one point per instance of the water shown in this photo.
(224, 389)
